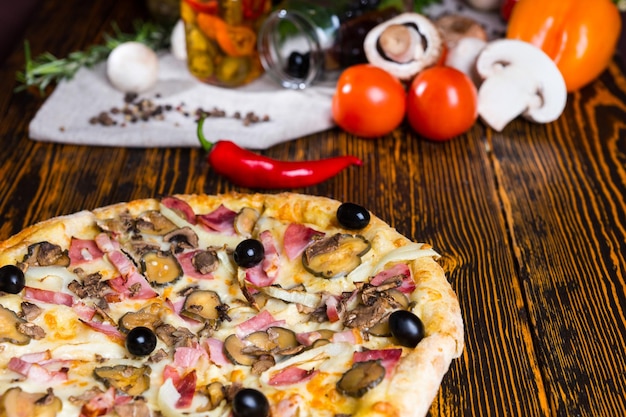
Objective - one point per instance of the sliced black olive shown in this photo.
(250, 402)
(15, 402)
(233, 349)
(160, 268)
(9, 323)
(362, 377)
(149, 316)
(202, 305)
(298, 64)
(353, 216)
(335, 256)
(12, 279)
(141, 341)
(128, 379)
(406, 327)
(249, 253)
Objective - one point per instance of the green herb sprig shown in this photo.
(418, 5)
(46, 69)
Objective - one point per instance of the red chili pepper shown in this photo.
(202, 6)
(253, 9)
(251, 170)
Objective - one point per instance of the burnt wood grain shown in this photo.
(530, 222)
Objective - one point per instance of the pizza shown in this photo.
(239, 305)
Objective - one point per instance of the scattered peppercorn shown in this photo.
(136, 109)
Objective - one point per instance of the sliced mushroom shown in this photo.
(149, 316)
(233, 349)
(335, 256)
(160, 268)
(285, 340)
(183, 238)
(153, 222)
(30, 311)
(129, 379)
(519, 79)
(362, 377)
(9, 325)
(245, 221)
(121, 224)
(176, 337)
(46, 254)
(205, 261)
(17, 403)
(404, 45)
(203, 305)
(259, 341)
(215, 393)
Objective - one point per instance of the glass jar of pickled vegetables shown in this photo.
(304, 41)
(221, 37)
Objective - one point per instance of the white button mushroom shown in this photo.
(485, 4)
(132, 67)
(519, 79)
(404, 45)
(463, 57)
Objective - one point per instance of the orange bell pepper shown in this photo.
(579, 35)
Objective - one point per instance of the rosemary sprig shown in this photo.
(418, 5)
(46, 69)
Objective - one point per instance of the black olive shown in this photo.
(249, 253)
(298, 65)
(11, 279)
(250, 402)
(406, 327)
(141, 341)
(353, 216)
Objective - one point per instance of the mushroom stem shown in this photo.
(399, 42)
(502, 98)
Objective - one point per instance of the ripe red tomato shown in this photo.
(442, 103)
(368, 101)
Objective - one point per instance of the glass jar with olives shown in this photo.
(303, 41)
(221, 38)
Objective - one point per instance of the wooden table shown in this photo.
(531, 222)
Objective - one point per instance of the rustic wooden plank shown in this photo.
(511, 214)
(565, 187)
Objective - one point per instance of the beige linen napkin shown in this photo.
(65, 116)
